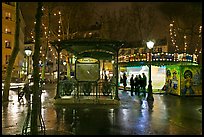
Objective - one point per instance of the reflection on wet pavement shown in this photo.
(170, 115)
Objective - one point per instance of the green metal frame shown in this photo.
(91, 47)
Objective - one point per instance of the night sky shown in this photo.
(29, 15)
(162, 30)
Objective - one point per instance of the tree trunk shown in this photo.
(36, 99)
(12, 58)
(47, 44)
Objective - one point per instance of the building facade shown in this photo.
(8, 38)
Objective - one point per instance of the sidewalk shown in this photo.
(170, 115)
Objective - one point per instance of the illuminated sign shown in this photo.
(87, 60)
(87, 69)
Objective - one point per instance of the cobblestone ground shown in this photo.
(170, 115)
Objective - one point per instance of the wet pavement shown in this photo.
(170, 115)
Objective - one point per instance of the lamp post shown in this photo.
(150, 45)
(64, 63)
(28, 52)
(40, 65)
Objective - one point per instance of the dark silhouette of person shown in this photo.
(144, 83)
(124, 81)
(139, 83)
(106, 86)
(27, 92)
(132, 84)
(121, 79)
(65, 78)
(136, 83)
(106, 78)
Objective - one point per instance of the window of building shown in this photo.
(7, 31)
(159, 49)
(8, 15)
(7, 44)
(96, 34)
(10, 3)
(7, 58)
(142, 50)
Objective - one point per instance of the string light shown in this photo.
(59, 27)
(185, 43)
(172, 32)
(200, 37)
(47, 36)
(200, 50)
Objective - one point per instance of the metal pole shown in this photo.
(116, 70)
(68, 67)
(150, 95)
(27, 66)
(103, 70)
(58, 75)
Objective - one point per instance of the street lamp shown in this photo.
(28, 52)
(40, 62)
(40, 65)
(64, 63)
(150, 45)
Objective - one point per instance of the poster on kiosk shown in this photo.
(173, 79)
(191, 80)
(184, 80)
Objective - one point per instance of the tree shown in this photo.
(186, 18)
(12, 58)
(115, 25)
(36, 99)
(142, 21)
(65, 16)
(47, 15)
(134, 23)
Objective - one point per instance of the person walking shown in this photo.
(132, 84)
(26, 90)
(136, 83)
(65, 77)
(124, 81)
(139, 84)
(144, 84)
(106, 78)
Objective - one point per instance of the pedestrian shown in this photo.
(139, 84)
(124, 81)
(121, 79)
(136, 83)
(27, 92)
(65, 77)
(132, 84)
(106, 78)
(144, 84)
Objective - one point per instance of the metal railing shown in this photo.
(87, 88)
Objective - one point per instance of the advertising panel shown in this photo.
(172, 84)
(191, 80)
